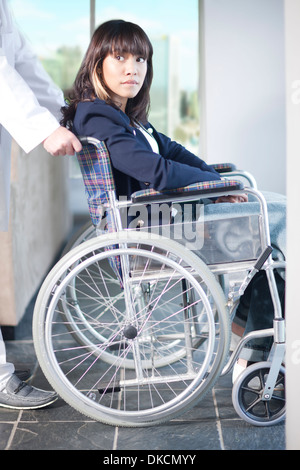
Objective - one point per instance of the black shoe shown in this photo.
(20, 396)
(24, 375)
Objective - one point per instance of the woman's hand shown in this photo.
(233, 199)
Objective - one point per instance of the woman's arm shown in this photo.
(133, 156)
(174, 151)
(179, 153)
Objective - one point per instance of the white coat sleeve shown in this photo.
(30, 102)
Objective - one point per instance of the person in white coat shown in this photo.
(29, 113)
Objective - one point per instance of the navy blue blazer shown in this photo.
(135, 165)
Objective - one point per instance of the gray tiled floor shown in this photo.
(211, 425)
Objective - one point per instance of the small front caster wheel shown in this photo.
(248, 400)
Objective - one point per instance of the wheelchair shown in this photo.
(132, 326)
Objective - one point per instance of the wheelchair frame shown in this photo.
(218, 304)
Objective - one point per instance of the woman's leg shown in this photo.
(257, 302)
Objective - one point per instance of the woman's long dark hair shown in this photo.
(123, 37)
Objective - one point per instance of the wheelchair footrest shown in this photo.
(103, 391)
(155, 380)
(146, 381)
(257, 267)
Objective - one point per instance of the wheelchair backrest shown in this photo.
(96, 169)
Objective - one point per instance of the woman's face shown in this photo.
(124, 75)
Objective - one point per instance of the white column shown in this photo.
(242, 87)
(292, 41)
(92, 17)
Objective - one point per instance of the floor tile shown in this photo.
(5, 433)
(62, 436)
(239, 435)
(189, 435)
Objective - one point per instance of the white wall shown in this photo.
(242, 81)
(40, 221)
(292, 19)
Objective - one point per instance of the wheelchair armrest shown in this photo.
(224, 167)
(196, 189)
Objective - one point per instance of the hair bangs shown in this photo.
(131, 39)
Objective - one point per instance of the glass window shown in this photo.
(59, 32)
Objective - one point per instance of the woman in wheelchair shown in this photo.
(110, 101)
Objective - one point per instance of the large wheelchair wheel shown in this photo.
(152, 343)
(248, 400)
(86, 232)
